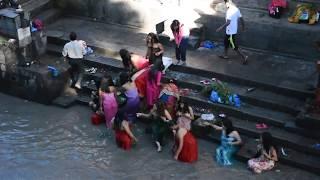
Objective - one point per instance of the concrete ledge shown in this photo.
(209, 74)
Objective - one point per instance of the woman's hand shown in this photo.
(135, 139)
(139, 114)
(176, 157)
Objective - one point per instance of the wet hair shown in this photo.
(106, 82)
(267, 141)
(124, 78)
(185, 108)
(173, 24)
(154, 38)
(227, 123)
(119, 118)
(126, 58)
(160, 108)
(73, 36)
(147, 39)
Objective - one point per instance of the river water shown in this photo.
(47, 142)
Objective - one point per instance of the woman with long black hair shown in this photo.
(131, 92)
(155, 48)
(267, 155)
(230, 141)
(181, 37)
(161, 121)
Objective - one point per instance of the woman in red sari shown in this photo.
(187, 146)
(123, 133)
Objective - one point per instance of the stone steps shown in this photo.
(242, 124)
(263, 32)
(35, 7)
(48, 16)
(294, 158)
(250, 112)
(290, 141)
(258, 97)
(217, 73)
(42, 9)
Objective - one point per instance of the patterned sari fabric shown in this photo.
(225, 151)
(261, 164)
(169, 95)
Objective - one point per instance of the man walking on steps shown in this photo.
(73, 51)
(232, 17)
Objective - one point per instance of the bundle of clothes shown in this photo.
(305, 13)
(276, 8)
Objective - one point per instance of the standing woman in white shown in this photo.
(233, 15)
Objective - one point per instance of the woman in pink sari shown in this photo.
(153, 84)
(108, 101)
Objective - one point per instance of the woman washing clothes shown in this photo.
(161, 121)
(230, 142)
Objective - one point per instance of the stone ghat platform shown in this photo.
(277, 100)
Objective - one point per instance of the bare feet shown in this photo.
(245, 61)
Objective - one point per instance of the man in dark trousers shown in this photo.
(73, 51)
(233, 15)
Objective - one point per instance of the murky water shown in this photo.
(46, 142)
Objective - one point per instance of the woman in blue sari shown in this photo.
(230, 142)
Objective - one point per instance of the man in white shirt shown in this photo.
(232, 17)
(73, 51)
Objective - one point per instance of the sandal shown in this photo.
(223, 57)
(261, 126)
(205, 82)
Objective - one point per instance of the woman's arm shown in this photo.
(161, 49)
(144, 115)
(272, 156)
(167, 114)
(218, 128)
(191, 113)
(235, 135)
(126, 127)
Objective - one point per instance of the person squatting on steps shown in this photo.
(233, 15)
(266, 156)
(73, 52)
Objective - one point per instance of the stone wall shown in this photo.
(263, 32)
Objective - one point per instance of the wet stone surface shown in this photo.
(47, 142)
